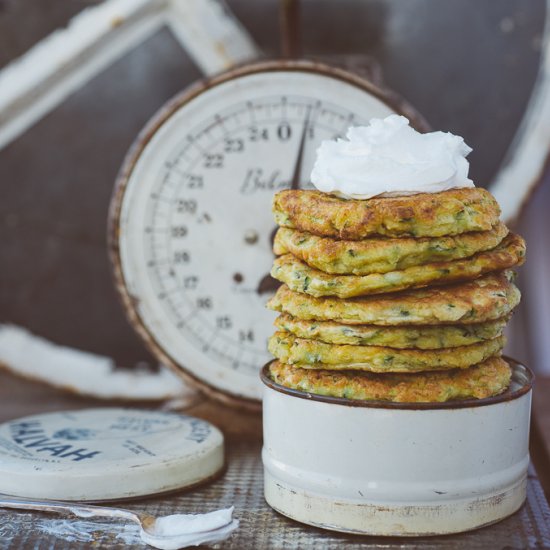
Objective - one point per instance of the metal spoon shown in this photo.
(148, 523)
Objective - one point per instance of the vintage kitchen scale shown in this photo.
(191, 236)
(191, 223)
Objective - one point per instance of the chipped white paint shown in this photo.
(60, 64)
(210, 33)
(395, 471)
(64, 61)
(85, 373)
(392, 520)
(526, 158)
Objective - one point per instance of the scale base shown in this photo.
(387, 519)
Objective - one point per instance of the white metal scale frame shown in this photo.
(191, 223)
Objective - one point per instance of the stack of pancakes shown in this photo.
(398, 298)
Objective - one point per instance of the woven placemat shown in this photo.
(261, 527)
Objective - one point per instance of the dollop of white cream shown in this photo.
(390, 158)
(183, 530)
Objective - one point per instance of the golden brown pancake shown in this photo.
(302, 278)
(484, 380)
(382, 254)
(487, 298)
(424, 215)
(312, 354)
(401, 337)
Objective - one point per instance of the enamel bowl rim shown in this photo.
(522, 379)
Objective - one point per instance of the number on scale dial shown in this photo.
(193, 218)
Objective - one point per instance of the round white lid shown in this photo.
(106, 454)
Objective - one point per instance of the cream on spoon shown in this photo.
(166, 533)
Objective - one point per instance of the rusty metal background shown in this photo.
(262, 528)
(57, 178)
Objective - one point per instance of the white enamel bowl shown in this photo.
(399, 469)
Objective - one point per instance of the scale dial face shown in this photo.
(192, 214)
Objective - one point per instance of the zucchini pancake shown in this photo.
(302, 278)
(397, 273)
(423, 215)
(380, 255)
(400, 337)
(318, 355)
(487, 298)
(484, 380)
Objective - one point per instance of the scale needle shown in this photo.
(268, 283)
(297, 174)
